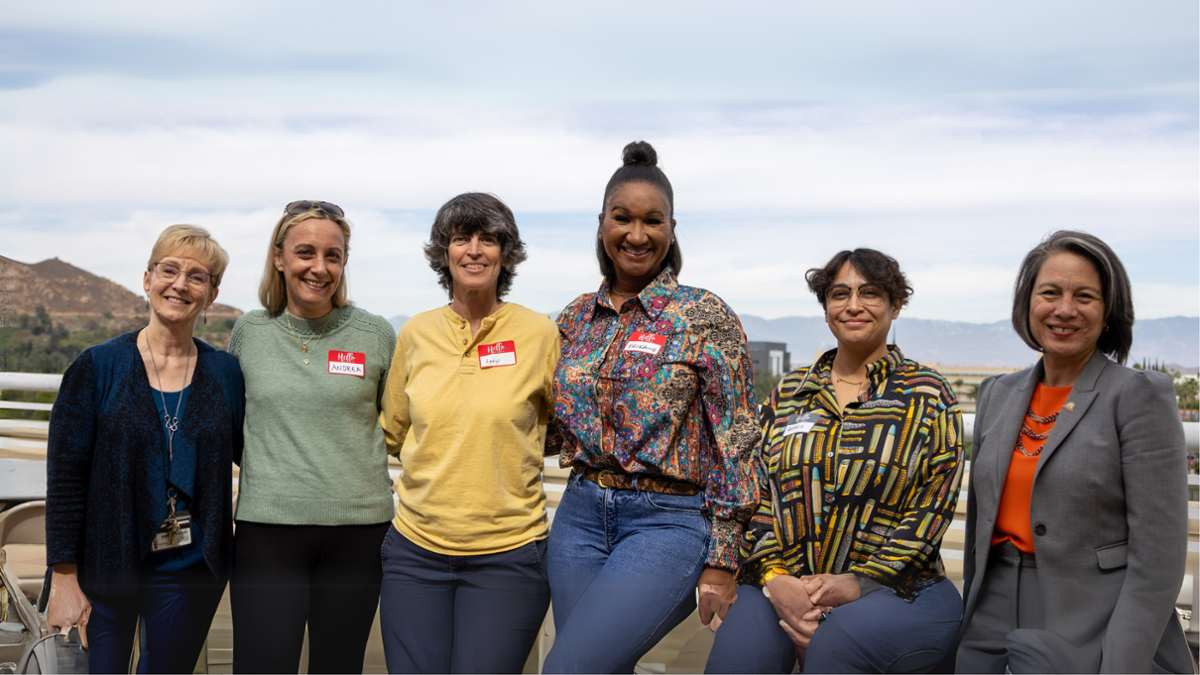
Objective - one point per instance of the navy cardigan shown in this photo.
(106, 476)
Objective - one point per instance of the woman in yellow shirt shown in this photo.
(466, 405)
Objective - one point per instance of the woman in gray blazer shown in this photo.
(1077, 513)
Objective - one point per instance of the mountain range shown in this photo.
(68, 292)
(1173, 342)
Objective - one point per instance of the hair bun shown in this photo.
(639, 152)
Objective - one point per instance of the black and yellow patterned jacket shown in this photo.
(869, 491)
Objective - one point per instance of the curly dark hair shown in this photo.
(639, 165)
(467, 214)
(876, 267)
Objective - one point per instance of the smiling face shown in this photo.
(858, 312)
(1066, 310)
(312, 261)
(178, 301)
(475, 264)
(637, 230)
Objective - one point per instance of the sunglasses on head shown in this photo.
(305, 205)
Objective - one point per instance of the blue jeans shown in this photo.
(623, 568)
(878, 633)
(177, 608)
(460, 613)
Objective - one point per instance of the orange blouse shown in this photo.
(1012, 520)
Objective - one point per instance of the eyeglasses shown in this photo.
(305, 205)
(869, 295)
(169, 272)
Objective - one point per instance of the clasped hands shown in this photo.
(799, 602)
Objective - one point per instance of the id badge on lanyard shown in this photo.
(176, 531)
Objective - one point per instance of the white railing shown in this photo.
(554, 486)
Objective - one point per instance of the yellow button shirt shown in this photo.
(468, 417)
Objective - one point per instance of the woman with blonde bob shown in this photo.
(142, 440)
(314, 500)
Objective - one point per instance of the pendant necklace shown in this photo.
(171, 423)
(318, 335)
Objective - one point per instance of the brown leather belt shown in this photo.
(619, 480)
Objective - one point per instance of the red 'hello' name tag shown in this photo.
(498, 354)
(646, 343)
(347, 363)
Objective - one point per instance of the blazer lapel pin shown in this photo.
(1070, 406)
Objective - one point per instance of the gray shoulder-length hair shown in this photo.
(1117, 338)
(467, 214)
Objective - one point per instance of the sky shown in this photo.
(953, 136)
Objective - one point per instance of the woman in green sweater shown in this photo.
(314, 499)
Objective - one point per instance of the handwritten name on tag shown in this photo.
(498, 354)
(645, 343)
(802, 424)
(347, 363)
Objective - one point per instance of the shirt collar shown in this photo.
(877, 371)
(654, 298)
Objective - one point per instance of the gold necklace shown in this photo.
(318, 335)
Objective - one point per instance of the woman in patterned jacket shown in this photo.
(654, 401)
(841, 566)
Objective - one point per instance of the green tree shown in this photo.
(1186, 391)
(764, 383)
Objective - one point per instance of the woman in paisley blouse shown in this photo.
(864, 457)
(654, 403)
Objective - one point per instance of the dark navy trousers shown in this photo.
(177, 609)
(460, 613)
(878, 633)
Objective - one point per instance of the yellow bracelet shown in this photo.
(772, 573)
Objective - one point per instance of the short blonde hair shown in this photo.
(191, 241)
(272, 291)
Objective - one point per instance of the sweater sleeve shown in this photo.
(387, 348)
(237, 394)
(69, 461)
(395, 418)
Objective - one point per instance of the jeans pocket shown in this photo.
(537, 550)
(383, 548)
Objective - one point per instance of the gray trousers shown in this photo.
(1010, 598)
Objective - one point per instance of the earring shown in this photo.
(206, 317)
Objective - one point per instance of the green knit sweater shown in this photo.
(314, 451)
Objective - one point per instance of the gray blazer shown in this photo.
(1108, 512)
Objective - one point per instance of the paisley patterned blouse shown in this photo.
(664, 388)
(871, 490)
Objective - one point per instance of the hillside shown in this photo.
(70, 295)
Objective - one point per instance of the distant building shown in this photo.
(770, 357)
(965, 380)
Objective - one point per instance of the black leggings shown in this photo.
(285, 576)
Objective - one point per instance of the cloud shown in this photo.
(953, 136)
